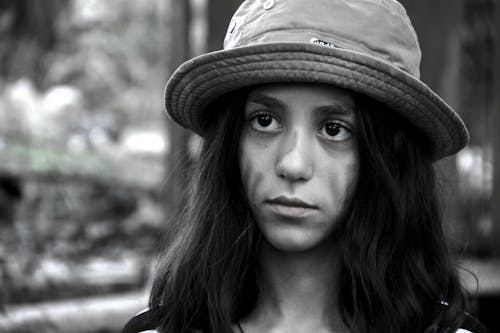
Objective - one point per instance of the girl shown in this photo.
(312, 207)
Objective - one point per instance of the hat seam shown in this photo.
(225, 55)
(447, 116)
(415, 107)
(334, 37)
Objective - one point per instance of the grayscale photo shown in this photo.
(249, 166)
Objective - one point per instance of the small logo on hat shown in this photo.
(323, 43)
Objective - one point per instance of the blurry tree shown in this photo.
(457, 45)
(219, 14)
(477, 107)
(114, 54)
(28, 30)
(179, 49)
(101, 71)
(495, 201)
(99, 68)
(177, 161)
(437, 23)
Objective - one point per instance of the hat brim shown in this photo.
(199, 81)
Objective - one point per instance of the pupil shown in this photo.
(264, 120)
(332, 129)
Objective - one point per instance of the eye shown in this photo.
(335, 131)
(265, 122)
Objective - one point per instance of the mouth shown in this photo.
(291, 202)
(290, 207)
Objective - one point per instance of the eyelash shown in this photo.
(340, 125)
(254, 122)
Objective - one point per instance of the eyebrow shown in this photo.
(336, 109)
(266, 101)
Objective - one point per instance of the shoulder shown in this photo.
(471, 325)
(143, 323)
(140, 323)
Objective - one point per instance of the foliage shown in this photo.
(114, 51)
(84, 75)
(106, 60)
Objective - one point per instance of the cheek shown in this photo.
(252, 166)
(349, 178)
(343, 178)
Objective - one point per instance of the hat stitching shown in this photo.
(394, 97)
(371, 74)
(444, 142)
(297, 48)
(355, 47)
(329, 63)
(414, 106)
(367, 83)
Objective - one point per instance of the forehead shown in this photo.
(310, 94)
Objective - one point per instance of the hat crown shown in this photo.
(377, 28)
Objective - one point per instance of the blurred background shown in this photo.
(91, 168)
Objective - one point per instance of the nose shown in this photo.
(294, 161)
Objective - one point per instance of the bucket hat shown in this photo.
(367, 46)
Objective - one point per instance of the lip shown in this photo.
(290, 201)
(290, 207)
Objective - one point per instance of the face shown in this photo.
(298, 161)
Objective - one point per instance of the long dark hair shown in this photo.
(397, 274)
(396, 271)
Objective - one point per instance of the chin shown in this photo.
(295, 240)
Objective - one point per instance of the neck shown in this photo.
(298, 289)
